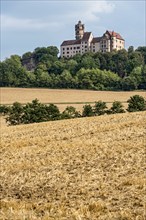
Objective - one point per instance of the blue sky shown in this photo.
(28, 24)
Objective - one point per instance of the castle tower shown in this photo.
(79, 30)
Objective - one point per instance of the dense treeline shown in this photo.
(117, 70)
(37, 112)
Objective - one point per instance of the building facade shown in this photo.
(85, 41)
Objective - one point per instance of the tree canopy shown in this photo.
(117, 70)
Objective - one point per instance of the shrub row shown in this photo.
(37, 112)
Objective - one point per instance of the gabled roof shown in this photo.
(114, 34)
(96, 39)
(86, 36)
(70, 42)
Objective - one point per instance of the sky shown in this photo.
(28, 24)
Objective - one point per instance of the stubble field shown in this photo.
(80, 169)
(62, 96)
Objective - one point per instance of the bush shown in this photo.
(87, 111)
(35, 112)
(136, 103)
(53, 112)
(117, 107)
(100, 108)
(32, 113)
(4, 109)
(70, 112)
(15, 114)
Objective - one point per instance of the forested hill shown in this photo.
(119, 70)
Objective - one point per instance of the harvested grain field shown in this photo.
(24, 95)
(80, 169)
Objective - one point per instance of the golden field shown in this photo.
(79, 169)
(24, 95)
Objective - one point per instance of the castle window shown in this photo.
(67, 52)
(63, 48)
(67, 48)
(78, 47)
(74, 48)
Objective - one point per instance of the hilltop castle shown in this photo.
(85, 41)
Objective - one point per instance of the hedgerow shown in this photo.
(35, 111)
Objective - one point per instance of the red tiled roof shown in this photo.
(86, 36)
(114, 34)
(70, 42)
(96, 39)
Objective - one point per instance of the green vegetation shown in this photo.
(87, 111)
(117, 70)
(100, 108)
(70, 112)
(35, 111)
(117, 107)
(136, 103)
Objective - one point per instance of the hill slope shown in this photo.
(89, 168)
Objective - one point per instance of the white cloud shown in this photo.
(75, 10)
(90, 10)
(9, 22)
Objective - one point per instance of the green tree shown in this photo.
(34, 112)
(57, 67)
(53, 112)
(129, 83)
(130, 49)
(27, 55)
(71, 66)
(87, 111)
(136, 74)
(136, 103)
(120, 59)
(43, 54)
(143, 78)
(142, 50)
(135, 59)
(15, 114)
(31, 79)
(87, 62)
(70, 112)
(66, 80)
(117, 107)
(100, 108)
(12, 73)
